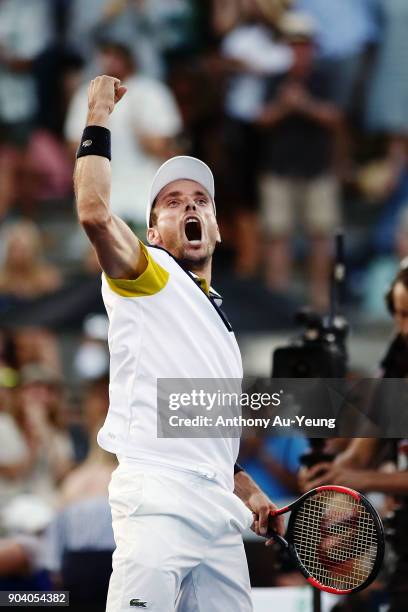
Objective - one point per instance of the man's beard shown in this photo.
(193, 264)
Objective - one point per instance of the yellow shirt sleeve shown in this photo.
(151, 281)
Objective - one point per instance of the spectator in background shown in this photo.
(345, 30)
(253, 47)
(8, 373)
(225, 14)
(274, 462)
(381, 270)
(300, 130)
(79, 542)
(24, 273)
(128, 21)
(91, 360)
(252, 44)
(36, 452)
(175, 25)
(23, 521)
(357, 465)
(143, 130)
(387, 102)
(13, 450)
(21, 564)
(25, 31)
(81, 20)
(39, 415)
(78, 547)
(36, 345)
(13, 559)
(92, 477)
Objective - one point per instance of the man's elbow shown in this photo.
(93, 219)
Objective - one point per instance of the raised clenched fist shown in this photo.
(104, 93)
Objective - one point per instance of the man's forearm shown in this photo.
(245, 487)
(321, 112)
(259, 503)
(272, 114)
(92, 179)
(394, 483)
(359, 454)
(117, 247)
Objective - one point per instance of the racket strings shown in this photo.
(336, 539)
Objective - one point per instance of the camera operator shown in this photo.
(354, 466)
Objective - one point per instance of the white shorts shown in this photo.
(178, 543)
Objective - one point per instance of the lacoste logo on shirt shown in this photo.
(87, 143)
(137, 603)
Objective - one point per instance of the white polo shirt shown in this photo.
(164, 325)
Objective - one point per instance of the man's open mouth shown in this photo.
(192, 228)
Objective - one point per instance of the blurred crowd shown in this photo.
(303, 123)
(300, 107)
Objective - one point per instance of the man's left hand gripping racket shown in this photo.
(335, 537)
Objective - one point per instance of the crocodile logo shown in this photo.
(137, 603)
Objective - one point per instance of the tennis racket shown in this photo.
(335, 538)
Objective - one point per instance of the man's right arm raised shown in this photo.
(117, 247)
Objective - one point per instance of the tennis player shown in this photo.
(179, 506)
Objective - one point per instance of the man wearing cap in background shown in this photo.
(176, 520)
(255, 49)
(302, 147)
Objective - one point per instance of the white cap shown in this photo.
(177, 168)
